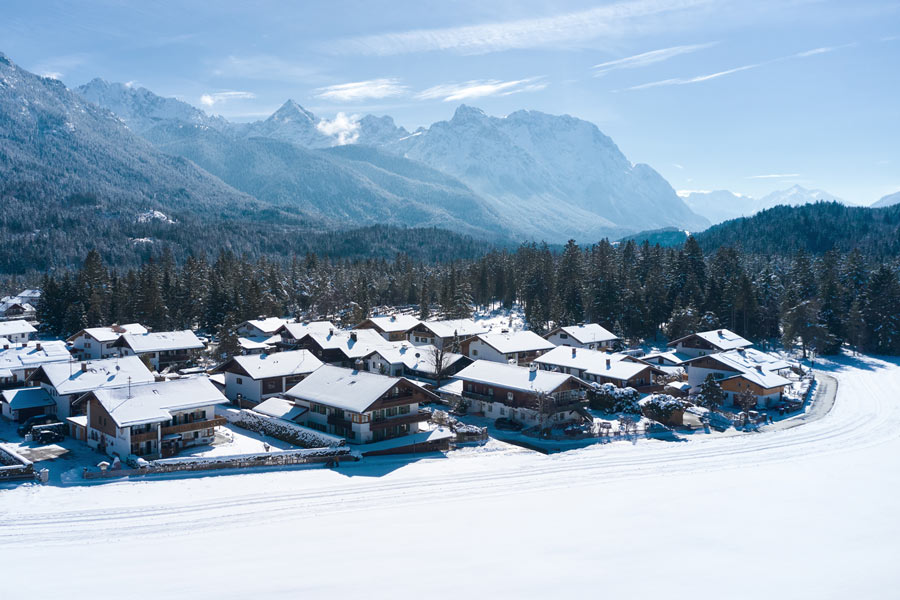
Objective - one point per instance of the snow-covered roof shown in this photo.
(258, 342)
(354, 344)
(754, 365)
(8, 303)
(268, 325)
(279, 364)
(28, 356)
(580, 358)
(621, 369)
(454, 388)
(16, 327)
(111, 333)
(347, 389)
(671, 356)
(30, 397)
(449, 328)
(154, 402)
(298, 330)
(280, 409)
(512, 377)
(404, 441)
(589, 333)
(416, 358)
(393, 323)
(515, 341)
(69, 378)
(161, 340)
(722, 339)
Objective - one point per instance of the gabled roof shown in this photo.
(111, 333)
(154, 402)
(676, 358)
(16, 327)
(449, 328)
(28, 356)
(721, 339)
(30, 397)
(587, 333)
(160, 340)
(347, 389)
(280, 409)
(515, 341)
(354, 344)
(392, 323)
(298, 330)
(279, 364)
(257, 342)
(582, 358)
(268, 325)
(69, 378)
(512, 377)
(416, 358)
(756, 366)
(618, 369)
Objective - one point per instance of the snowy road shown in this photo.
(793, 513)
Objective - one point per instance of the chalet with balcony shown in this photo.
(163, 348)
(739, 371)
(155, 419)
(17, 331)
(250, 379)
(516, 347)
(263, 327)
(291, 333)
(100, 342)
(449, 332)
(708, 342)
(589, 336)
(21, 306)
(19, 361)
(341, 347)
(393, 328)
(599, 366)
(68, 381)
(359, 406)
(404, 359)
(528, 395)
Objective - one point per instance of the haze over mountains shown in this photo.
(526, 176)
(723, 205)
(889, 200)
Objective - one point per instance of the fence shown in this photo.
(14, 466)
(237, 461)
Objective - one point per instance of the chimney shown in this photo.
(37, 346)
(330, 332)
(759, 368)
(353, 335)
(533, 367)
(574, 351)
(6, 346)
(261, 318)
(359, 364)
(393, 318)
(84, 367)
(608, 363)
(720, 333)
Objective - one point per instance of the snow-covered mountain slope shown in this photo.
(722, 205)
(141, 109)
(549, 176)
(294, 124)
(889, 200)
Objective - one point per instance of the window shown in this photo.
(564, 336)
(404, 409)
(509, 396)
(474, 352)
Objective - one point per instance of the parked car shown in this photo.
(25, 427)
(49, 433)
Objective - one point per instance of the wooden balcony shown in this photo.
(416, 417)
(148, 436)
(339, 421)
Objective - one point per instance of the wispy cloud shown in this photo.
(344, 128)
(219, 97)
(613, 20)
(774, 176)
(647, 58)
(262, 67)
(52, 74)
(362, 90)
(710, 76)
(451, 92)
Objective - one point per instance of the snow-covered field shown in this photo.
(806, 512)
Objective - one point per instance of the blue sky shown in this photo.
(714, 94)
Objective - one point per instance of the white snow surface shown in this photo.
(804, 512)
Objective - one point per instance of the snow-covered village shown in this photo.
(426, 300)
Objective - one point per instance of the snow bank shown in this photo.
(280, 429)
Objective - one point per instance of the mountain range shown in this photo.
(889, 200)
(529, 175)
(722, 205)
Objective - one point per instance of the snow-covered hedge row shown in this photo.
(661, 407)
(277, 457)
(609, 398)
(283, 430)
(14, 465)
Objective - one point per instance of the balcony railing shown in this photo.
(416, 417)
(148, 436)
(554, 403)
(338, 421)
